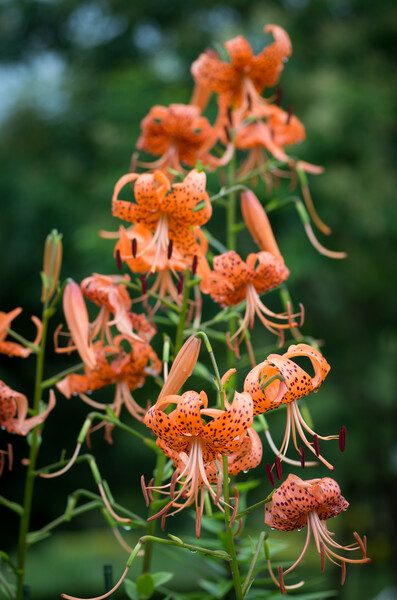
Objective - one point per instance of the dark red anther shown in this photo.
(143, 283)
(278, 468)
(269, 474)
(180, 283)
(229, 116)
(271, 131)
(194, 264)
(279, 95)
(170, 248)
(342, 438)
(302, 456)
(134, 247)
(119, 262)
(249, 102)
(316, 445)
(290, 111)
(227, 134)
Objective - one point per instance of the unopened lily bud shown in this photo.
(51, 263)
(76, 316)
(182, 367)
(257, 223)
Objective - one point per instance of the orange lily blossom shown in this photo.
(234, 280)
(178, 134)
(110, 293)
(12, 348)
(14, 409)
(240, 82)
(127, 370)
(297, 504)
(167, 211)
(196, 447)
(290, 384)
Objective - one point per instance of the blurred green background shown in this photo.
(76, 79)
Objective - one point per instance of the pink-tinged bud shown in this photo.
(52, 262)
(182, 367)
(257, 223)
(76, 316)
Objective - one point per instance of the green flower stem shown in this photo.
(7, 587)
(22, 340)
(34, 448)
(230, 190)
(183, 312)
(246, 511)
(53, 380)
(14, 506)
(229, 534)
(175, 541)
(247, 581)
(208, 346)
(151, 525)
(40, 534)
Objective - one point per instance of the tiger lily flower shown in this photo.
(234, 280)
(110, 293)
(127, 371)
(196, 446)
(240, 82)
(291, 382)
(12, 348)
(14, 409)
(178, 134)
(167, 211)
(297, 504)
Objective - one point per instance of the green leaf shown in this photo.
(145, 586)
(161, 578)
(130, 589)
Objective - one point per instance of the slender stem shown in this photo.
(175, 541)
(183, 313)
(229, 534)
(151, 526)
(253, 562)
(245, 512)
(227, 191)
(34, 447)
(53, 380)
(22, 340)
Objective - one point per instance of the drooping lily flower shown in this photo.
(290, 383)
(127, 371)
(239, 84)
(14, 409)
(110, 293)
(178, 134)
(168, 212)
(12, 348)
(297, 504)
(196, 447)
(234, 280)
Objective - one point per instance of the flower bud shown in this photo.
(52, 261)
(76, 316)
(257, 223)
(182, 367)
